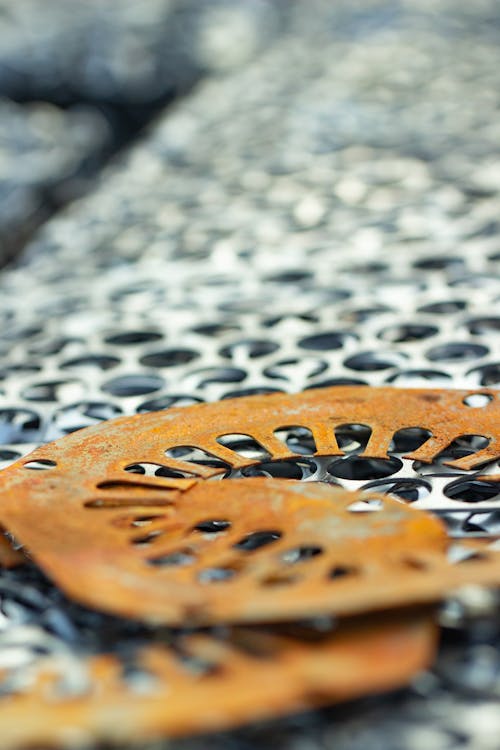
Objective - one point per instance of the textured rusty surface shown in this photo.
(9, 557)
(203, 682)
(129, 544)
(156, 563)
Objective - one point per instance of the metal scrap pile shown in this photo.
(309, 244)
(248, 575)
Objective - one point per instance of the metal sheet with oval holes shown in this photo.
(175, 547)
(209, 681)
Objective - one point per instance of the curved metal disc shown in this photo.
(172, 547)
(205, 682)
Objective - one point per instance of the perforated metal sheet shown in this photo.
(169, 546)
(213, 680)
(279, 551)
(328, 214)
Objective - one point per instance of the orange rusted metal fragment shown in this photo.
(9, 557)
(204, 683)
(176, 548)
(247, 550)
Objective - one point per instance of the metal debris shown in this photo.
(140, 297)
(118, 517)
(211, 681)
(9, 556)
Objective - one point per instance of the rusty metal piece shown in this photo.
(140, 546)
(239, 551)
(206, 682)
(9, 557)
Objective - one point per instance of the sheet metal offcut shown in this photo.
(205, 682)
(173, 547)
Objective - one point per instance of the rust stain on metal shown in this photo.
(140, 546)
(250, 675)
(9, 557)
